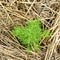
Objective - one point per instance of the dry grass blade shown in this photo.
(14, 12)
(54, 43)
(30, 7)
(6, 12)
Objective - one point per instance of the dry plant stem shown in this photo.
(11, 39)
(53, 36)
(17, 45)
(57, 19)
(16, 14)
(8, 53)
(9, 31)
(56, 24)
(6, 13)
(55, 41)
(54, 27)
(41, 19)
(51, 9)
(41, 4)
(47, 24)
(13, 2)
(23, 54)
(30, 7)
(51, 48)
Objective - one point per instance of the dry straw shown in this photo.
(17, 12)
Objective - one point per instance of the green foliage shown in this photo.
(31, 34)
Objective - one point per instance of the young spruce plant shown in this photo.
(31, 34)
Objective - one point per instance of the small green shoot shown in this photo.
(31, 34)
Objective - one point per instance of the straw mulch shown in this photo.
(18, 12)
